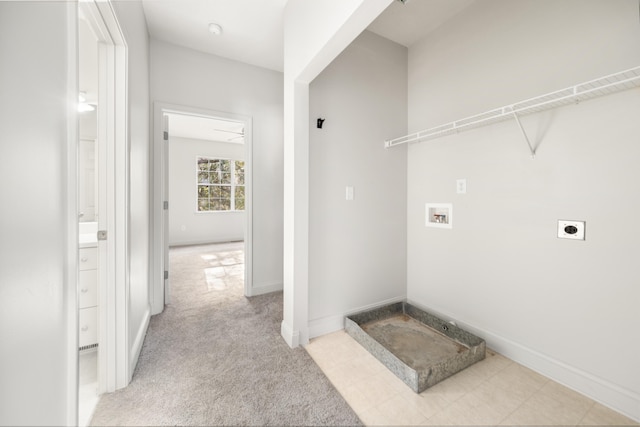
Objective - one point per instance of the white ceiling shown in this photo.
(406, 23)
(252, 32)
(253, 29)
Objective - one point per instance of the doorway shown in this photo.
(88, 201)
(103, 179)
(210, 154)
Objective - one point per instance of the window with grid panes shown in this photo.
(220, 184)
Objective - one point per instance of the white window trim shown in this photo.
(233, 186)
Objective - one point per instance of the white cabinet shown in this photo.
(88, 259)
(88, 326)
(88, 296)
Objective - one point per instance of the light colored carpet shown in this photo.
(214, 357)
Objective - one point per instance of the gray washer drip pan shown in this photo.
(418, 347)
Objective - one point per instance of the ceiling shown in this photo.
(409, 22)
(252, 33)
(252, 30)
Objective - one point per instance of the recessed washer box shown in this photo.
(439, 215)
(571, 229)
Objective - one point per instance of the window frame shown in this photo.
(232, 184)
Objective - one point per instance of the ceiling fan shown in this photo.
(239, 135)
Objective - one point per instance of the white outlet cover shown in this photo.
(573, 230)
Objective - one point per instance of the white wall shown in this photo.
(357, 248)
(186, 77)
(37, 218)
(187, 226)
(565, 308)
(88, 78)
(533, 48)
(133, 23)
(314, 34)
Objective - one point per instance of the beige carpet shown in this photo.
(214, 357)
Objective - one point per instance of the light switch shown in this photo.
(349, 193)
(461, 186)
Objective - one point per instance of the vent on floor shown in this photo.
(88, 347)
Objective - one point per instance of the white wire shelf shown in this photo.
(602, 86)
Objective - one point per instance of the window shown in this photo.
(220, 184)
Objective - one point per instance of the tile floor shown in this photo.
(495, 391)
(88, 385)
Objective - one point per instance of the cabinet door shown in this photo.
(88, 288)
(88, 259)
(88, 326)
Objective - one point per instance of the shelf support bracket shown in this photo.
(526, 138)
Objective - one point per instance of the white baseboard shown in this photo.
(326, 325)
(329, 324)
(228, 239)
(615, 397)
(266, 288)
(608, 394)
(136, 348)
(290, 336)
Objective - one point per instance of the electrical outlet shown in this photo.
(573, 230)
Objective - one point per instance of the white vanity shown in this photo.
(88, 285)
(88, 394)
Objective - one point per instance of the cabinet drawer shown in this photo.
(88, 333)
(88, 259)
(88, 289)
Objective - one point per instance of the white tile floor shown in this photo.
(495, 391)
(88, 385)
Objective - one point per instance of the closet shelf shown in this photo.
(617, 82)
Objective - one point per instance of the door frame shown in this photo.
(160, 194)
(114, 371)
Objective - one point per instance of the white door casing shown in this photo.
(112, 210)
(159, 287)
(165, 207)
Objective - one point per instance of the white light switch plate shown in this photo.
(461, 186)
(349, 193)
(571, 229)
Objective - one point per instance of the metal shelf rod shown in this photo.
(612, 83)
(526, 138)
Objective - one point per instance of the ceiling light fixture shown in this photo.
(215, 29)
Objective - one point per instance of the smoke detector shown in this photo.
(215, 29)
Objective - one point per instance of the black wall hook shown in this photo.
(320, 122)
